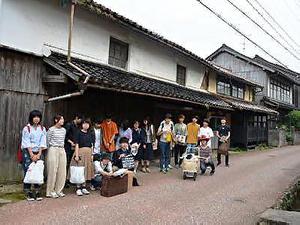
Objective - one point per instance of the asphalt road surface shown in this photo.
(235, 195)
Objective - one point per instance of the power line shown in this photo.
(263, 29)
(273, 19)
(238, 31)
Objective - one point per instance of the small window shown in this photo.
(118, 53)
(181, 75)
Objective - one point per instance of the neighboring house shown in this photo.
(281, 85)
(249, 120)
(132, 72)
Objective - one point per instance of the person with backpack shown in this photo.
(33, 143)
(56, 158)
(166, 133)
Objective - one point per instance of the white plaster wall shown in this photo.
(31, 24)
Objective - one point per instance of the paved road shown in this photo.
(235, 195)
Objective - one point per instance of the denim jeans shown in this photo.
(97, 181)
(26, 162)
(164, 154)
(191, 145)
(204, 165)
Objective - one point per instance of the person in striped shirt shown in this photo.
(206, 156)
(56, 158)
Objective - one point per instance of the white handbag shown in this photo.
(35, 173)
(77, 175)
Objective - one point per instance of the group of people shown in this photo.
(101, 147)
(181, 136)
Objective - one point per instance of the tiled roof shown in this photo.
(248, 106)
(286, 71)
(115, 17)
(258, 61)
(118, 80)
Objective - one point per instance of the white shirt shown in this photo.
(99, 167)
(207, 132)
(98, 137)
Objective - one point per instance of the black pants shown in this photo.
(226, 159)
(178, 151)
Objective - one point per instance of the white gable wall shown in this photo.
(31, 24)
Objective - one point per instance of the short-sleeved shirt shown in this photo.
(109, 129)
(224, 130)
(207, 132)
(192, 133)
(34, 138)
(85, 139)
(165, 128)
(205, 151)
(71, 131)
(118, 162)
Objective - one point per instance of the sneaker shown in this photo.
(92, 188)
(79, 192)
(211, 172)
(38, 196)
(218, 164)
(164, 171)
(170, 167)
(52, 195)
(84, 191)
(148, 170)
(144, 170)
(30, 197)
(61, 194)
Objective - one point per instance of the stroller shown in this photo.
(191, 162)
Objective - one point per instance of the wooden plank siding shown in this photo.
(21, 91)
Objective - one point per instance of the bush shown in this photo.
(294, 117)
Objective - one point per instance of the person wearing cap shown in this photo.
(192, 132)
(206, 156)
(206, 131)
(102, 167)
(166, 133)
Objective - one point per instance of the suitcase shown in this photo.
(112, 186)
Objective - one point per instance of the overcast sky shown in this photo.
(189, 24)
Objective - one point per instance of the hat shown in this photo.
(203, 137)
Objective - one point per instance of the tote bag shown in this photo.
(35, 173)
(77, 174)
(128, 162)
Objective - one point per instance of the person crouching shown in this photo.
(102, 167)
(206, 156)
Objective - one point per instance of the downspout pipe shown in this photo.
(81, 91)
(69, 59)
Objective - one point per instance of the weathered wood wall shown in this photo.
(21, 91)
